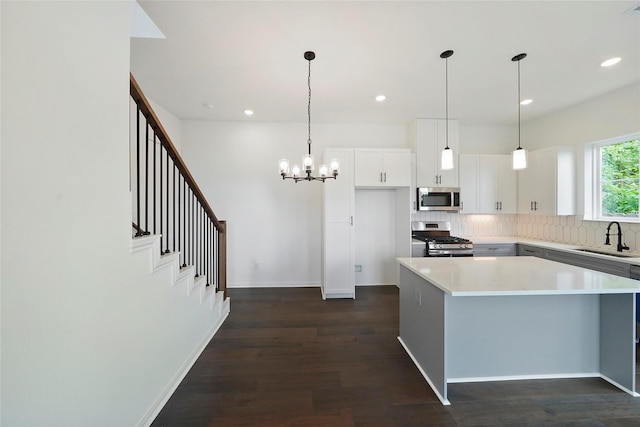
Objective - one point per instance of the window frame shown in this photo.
(593, 180)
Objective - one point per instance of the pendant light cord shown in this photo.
(519, 147)
(309, 109)
(446, 94)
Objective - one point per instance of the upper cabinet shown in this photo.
(487, 184)
(375, 167)
(547, 185)
(428, 137)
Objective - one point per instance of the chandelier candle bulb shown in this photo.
(295, 171)
(284, 167)
(335, 167)
(307, 163)
(323, 171)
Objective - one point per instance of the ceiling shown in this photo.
(237, 55)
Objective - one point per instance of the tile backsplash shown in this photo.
(571, 230)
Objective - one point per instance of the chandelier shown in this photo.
(305, 173)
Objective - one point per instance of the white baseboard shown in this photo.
(442, 399)
(240, 285)
(166, 393)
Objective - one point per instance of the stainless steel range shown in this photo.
(433, 239)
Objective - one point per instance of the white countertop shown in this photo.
(489, 276)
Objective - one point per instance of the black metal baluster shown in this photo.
(179, 224)
(138, 170)
(192, 233)
(155, 140)
(168, 206)
(174, 208)
(146, 178)
(184, 221)
(160, 197)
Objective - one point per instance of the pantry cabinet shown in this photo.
(547, 185)
(338, 254)
(428, 137)
(382, 167)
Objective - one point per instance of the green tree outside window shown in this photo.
(620, 179)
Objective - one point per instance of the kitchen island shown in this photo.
(485, 319)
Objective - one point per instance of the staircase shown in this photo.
(185, 244)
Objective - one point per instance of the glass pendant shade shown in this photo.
(323, 171)
(446, 161)
(295, 171)
(519, 158)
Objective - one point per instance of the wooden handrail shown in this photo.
(163, 136)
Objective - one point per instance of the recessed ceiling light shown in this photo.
(380, 98)
(609, 62)
(207, 105)
(526, 101)
(248, 112)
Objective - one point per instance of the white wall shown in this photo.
(274, 227)
(487, 139)
(170, 123)
(89, 337)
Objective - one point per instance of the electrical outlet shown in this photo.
(358, 268)
(417, 295)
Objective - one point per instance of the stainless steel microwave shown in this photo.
(438, 199)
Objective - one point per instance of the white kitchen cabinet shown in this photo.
(547, 185)
(487, 184)
(428, 138)
(468, 183)
(338, 257)
(376, 167)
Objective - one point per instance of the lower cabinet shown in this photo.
(494, 249)
(585, 261)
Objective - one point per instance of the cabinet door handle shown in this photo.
(531, 206)
(497, 206)
(500, 205)
(461, 205)
(380, 176)
(385, 177)
(535, 206)
(351, 219)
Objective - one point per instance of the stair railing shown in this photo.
(167, 201)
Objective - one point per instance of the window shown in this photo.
(616, 183)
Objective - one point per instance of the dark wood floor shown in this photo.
(285, 357)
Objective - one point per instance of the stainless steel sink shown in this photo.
(613, 254)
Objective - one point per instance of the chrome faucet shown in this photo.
(620, 245)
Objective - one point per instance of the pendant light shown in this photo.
(446, 160)
(297, 173)
(519, 155)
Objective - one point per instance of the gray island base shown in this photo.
(511, 318)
